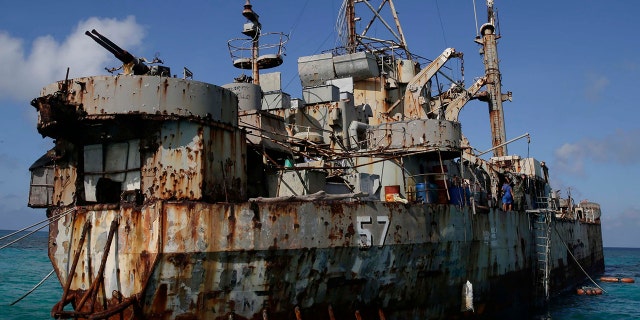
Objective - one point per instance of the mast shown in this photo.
(246, 53)
(353, 39)
(489, 41)
(403, 41)
(350, 14)
(254, 33)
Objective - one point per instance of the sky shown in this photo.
(572, 67)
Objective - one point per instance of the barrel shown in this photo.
(456, 195)
(421, 192)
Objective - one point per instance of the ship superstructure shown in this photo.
(177, 199)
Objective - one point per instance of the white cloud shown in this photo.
(596, 85)
(26, 71)
(620, 147)
(570, 158)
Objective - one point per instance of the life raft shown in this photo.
(614, 279)
(589, 291)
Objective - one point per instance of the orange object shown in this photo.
(627, 280)
(390, 197)
(390, 192)
(609, 279)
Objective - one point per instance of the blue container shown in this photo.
(456, 195)
(421, 192)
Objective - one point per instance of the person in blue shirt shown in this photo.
(507, 196)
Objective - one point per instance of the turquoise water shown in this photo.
(621, 300)
(24, 264)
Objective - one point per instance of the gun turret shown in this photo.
(130, 64)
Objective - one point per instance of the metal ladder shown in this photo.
(542, 234)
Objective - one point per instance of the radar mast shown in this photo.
(249, 54)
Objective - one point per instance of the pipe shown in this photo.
(503, 144)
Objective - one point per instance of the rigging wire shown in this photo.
(26, 235)
(475, 15)
(341, 30)
(50, 220)
(295, 23)
(444, 37)
(23, 229)
(446, 44)
(34, 288)
(575, 259)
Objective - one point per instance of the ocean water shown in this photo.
(22, 266)
(620, 301)
(26, 263)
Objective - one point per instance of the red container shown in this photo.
(390, 191)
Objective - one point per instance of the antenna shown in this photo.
(353, 40)
(248, 53)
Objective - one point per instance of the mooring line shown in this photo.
(34, 288)
(576, 260)
(50, 220)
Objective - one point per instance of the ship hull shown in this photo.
(324, 259)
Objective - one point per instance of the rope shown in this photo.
(295, 23)
(444, 36)
(34, 288)
(576, 260)
(51, 220)
(23, 229)
(475, 15)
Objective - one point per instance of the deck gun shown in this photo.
(130, 64)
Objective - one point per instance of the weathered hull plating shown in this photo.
(188, 260)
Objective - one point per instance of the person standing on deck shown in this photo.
(507, 196)
(518, 194)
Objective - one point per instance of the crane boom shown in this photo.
(413, 98)
(453, 109)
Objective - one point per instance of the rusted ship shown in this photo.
(171, 198)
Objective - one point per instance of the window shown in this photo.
(110, 169)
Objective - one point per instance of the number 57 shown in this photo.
(366, 236)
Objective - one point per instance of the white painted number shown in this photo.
(366, 236)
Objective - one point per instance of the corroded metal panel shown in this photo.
(214, 260)
(224, 174)
(315, 70)
(369, 92)
(320, 94)
(276, 100)
(223, 259)
(123, 94)
(176, 166)
(584, 240)
(265, 129)
(248, 94)
(407, 69)
(359, 65)
(425, 134)
(64, 185)
(194, 162)
(126, 266)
